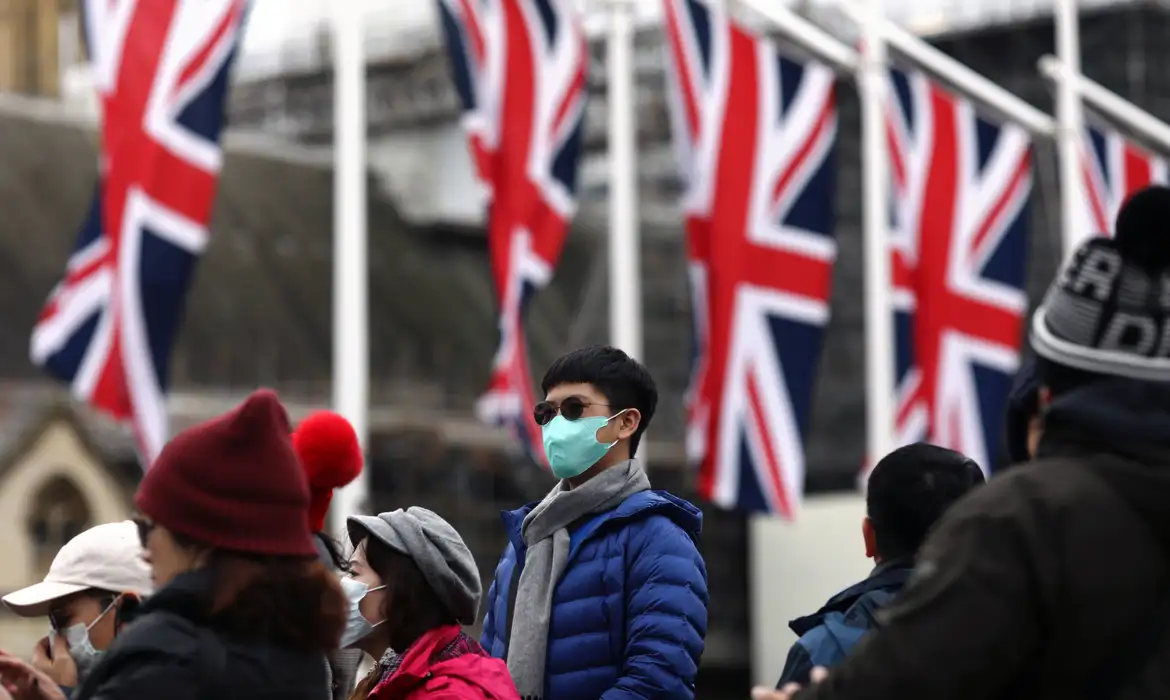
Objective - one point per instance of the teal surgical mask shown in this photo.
(571, 445)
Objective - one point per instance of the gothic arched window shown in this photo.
(59, 513)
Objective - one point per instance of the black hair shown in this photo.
(624, 381)
(910, 489)
(330, 553)
(1060, 379)
(129, 605)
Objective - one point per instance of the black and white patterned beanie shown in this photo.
(1108, 312)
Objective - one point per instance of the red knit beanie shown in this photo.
(331, 457)
(233, 482)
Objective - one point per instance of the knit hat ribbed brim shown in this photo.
(1108, 312)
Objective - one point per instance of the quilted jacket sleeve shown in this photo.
(493, 626)
(488, 636)
(666, 614)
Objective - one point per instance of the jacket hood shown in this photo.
(1022, 405)
(859, 601)
(1122, 427)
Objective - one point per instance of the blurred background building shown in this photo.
(259, 312)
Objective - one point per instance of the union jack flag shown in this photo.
(961, 185)
(756, 134)
(1114, 167)
(161, 72)
(520, 68)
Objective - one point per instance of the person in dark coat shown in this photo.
(243, 609)
(331, 456)
(601, 591)
(1051, 581)
(908, 490)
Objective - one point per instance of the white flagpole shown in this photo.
(350, 266)
(879, 320)
(1070, 124)
(625, 289)
(625, 293)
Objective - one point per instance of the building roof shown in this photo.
(259, 311)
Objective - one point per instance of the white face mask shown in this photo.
(85, 654)
(357, 627)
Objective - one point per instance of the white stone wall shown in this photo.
(796, 567)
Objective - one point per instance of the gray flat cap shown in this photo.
(437, 549)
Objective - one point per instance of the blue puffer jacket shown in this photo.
(629, 613)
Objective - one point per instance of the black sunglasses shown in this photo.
(571, 408)
(145, 527)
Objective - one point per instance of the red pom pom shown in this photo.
(329, 451)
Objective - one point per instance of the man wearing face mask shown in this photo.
(601, 592)
(93, 587)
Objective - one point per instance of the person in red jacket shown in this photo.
(413, 583)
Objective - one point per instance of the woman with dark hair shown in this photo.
(243, 608)
(413, 583)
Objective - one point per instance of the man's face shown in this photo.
(580, 401)
(593, 403)
(166, 557)
(83, 609)
(1036, 423)
(1035, 430)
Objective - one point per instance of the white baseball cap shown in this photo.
(107, 556)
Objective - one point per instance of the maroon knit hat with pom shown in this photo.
(331, 457)
(234, 483)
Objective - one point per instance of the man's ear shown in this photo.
(628, 422)
(869, 537)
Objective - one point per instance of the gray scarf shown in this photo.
(546, 534)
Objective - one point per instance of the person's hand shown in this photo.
(760, 692)
(59, 664)
(22, 681)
